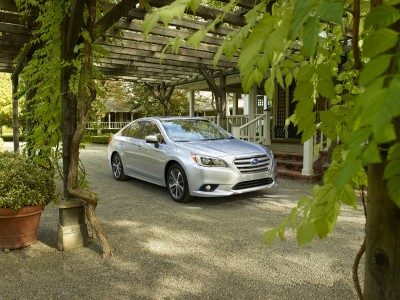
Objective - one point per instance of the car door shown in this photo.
(130, 150)
(152, 157)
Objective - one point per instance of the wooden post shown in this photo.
(191, 103)
(14, 79)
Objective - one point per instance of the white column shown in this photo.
(308, 158)
(252, 112)
(235, 104)
(267, 128)
(191, 103)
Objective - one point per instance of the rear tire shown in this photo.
(117, 167)
(177, 184)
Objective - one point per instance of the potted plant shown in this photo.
(25, 189)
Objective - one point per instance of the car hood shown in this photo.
(220, 148)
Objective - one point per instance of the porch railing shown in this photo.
(106, 125)
(311, 151)
(257, 130)
(320, 142)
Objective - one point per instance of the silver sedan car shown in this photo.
(192, 157)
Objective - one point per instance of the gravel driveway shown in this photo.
(206, 249)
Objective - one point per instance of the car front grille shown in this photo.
(252, 183)
(253, 164)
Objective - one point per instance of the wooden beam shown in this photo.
(135, 53)
(207, 13)
(116, 13)
(168, 32)
(194, 65)
(14, 28)
(211, 82)
(8, 5)
(140, 13)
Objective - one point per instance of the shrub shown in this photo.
(23, 182)
(103, 139)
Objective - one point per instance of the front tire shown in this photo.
(117, 167)
(177, 184)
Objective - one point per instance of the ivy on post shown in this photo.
(71, 211)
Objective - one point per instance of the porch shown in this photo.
(296, 160)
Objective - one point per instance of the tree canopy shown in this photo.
(346, 52)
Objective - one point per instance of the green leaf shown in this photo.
(379, 42)
(310, 36)
(394, 189)
(346, 172)
(394, 152)
(321, 227)
(348, 195)
(149, 23)
(297, 57)
(375, 68)
(288, 79)
(323, 72)
(278, 76)
(308, 131)
(269, 237)
(253, 45)
(218, 55)
(257, 76)
(382, 16)
(269, 87)
(305, 233)
(306, 72)
(328, 123)
(229, 49)
(379, 107)
(194, 5)
(392, 169)
(331, 11)
(196, 38)
(371, 154)
(288, 63)
(326, 88)
(293, 218)
(247, 81)
(303, 91)
(301, 13)
(263, 64)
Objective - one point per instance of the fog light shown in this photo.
(208, 187)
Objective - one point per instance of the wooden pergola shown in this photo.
(131, 57)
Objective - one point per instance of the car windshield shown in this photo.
(188, 130)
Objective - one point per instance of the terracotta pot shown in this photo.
(19, 228)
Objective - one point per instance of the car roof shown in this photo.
(171, 118)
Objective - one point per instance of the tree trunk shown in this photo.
(382, 273)
(86, 94)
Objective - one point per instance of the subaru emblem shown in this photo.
(254, 161)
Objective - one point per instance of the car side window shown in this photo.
(125, 132)
(151, 128)
(135, 131)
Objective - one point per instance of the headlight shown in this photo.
(269, 151)
(207, 161)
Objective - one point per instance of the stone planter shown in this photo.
(19, 228)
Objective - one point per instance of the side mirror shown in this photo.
(152, 139)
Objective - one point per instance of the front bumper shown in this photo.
(227, 181)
